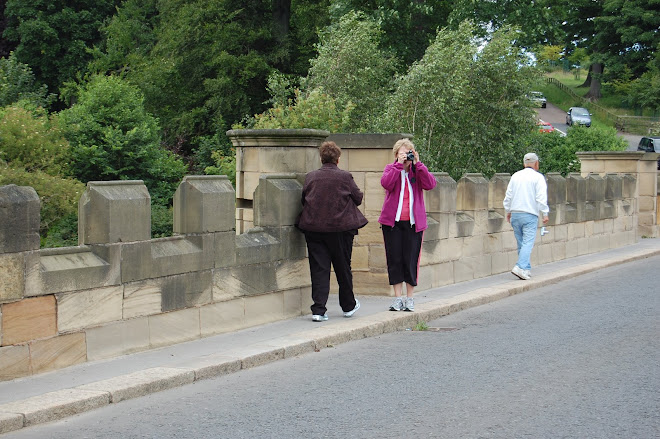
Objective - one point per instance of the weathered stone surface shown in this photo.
(614, 187)
(222, 317)
(12, 281)
(174, 327)
(225, 249)
(264, 308)
(277, 200)
(203, 204)
(72, 268)
(167, 256)
(257, 246)
(211, 366)
(58, 352)
(119, 338)
(56, 405)
(14, 362)
(556, 189)
(464, 224)
(497, 191)
(141, 383)
(186, 290)
(472, 193)
(28, 319)
(576, 189)
(141, 299)
(114, 211)
(19, 219)
(442, 198)
(595, 187)
(88, 308)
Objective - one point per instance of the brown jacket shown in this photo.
(330, 199)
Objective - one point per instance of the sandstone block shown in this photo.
(472, 193)
(203, 204)
(186, 290)
(119, 338)
(141, 299)
(257, 246)
(19, 219)
(58, 352)
(442, 198)
(443, 274)
(28, 319)
(225, 249)
(12, 277)
(114, 211)
(556, 189)
(222, 317)
(14, 362)
(264, 308)
(174, 327)
(277, 200)
(83, 309)
(293, 303)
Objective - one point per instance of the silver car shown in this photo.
(579, 116)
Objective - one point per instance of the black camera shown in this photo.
(410, 156)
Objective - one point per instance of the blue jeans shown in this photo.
(524, 229)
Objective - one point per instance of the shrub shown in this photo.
(33, 142)
(59, 196)
(17, 83)
(114, 138)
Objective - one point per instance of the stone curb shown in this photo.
(68, 402)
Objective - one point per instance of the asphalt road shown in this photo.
(557, 118)
(578, 359)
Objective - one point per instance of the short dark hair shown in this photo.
(329, 152)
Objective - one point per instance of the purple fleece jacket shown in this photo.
(391, 181)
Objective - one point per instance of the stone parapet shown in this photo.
(123, 292)
(114, 211)
(19, 219)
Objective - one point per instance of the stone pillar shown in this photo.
(556, 197)
(595, 197)
(270, 152)
(19, 219)
(114, 211)
(204, 204)
(644, 167)
(472, 201)
(576, 197)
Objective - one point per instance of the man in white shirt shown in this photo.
(526, 196)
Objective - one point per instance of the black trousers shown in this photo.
(334, 248)
(402, 249)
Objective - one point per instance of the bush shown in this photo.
(162, 221)
(59, 196)
(557, 153)
(313, 110)
(17, 83)
(33, 142)
(114, 138)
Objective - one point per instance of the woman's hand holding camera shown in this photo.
(410, 156)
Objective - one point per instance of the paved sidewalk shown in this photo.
(55, 395)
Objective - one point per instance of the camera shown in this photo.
(410, 156)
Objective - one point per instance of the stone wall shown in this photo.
(120, 291)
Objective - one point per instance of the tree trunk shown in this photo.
(594, 92)
(281, 18)
(587, 82)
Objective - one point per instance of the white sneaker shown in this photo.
(397, 304)
(522, 274)
(351, 312)
(409, 304)
(319, 318)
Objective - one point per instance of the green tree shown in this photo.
(465, 104)
(113, 137)
(17, 83)
(54, 36)
(408, 26)
(351, 68)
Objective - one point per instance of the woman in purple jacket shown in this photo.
(403, 220)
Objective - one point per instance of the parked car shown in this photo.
(538, 99)
(544, 127)
(650, 144)
(579, 116)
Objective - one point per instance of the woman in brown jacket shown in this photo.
(330, 220)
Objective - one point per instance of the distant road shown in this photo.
(557, 118)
